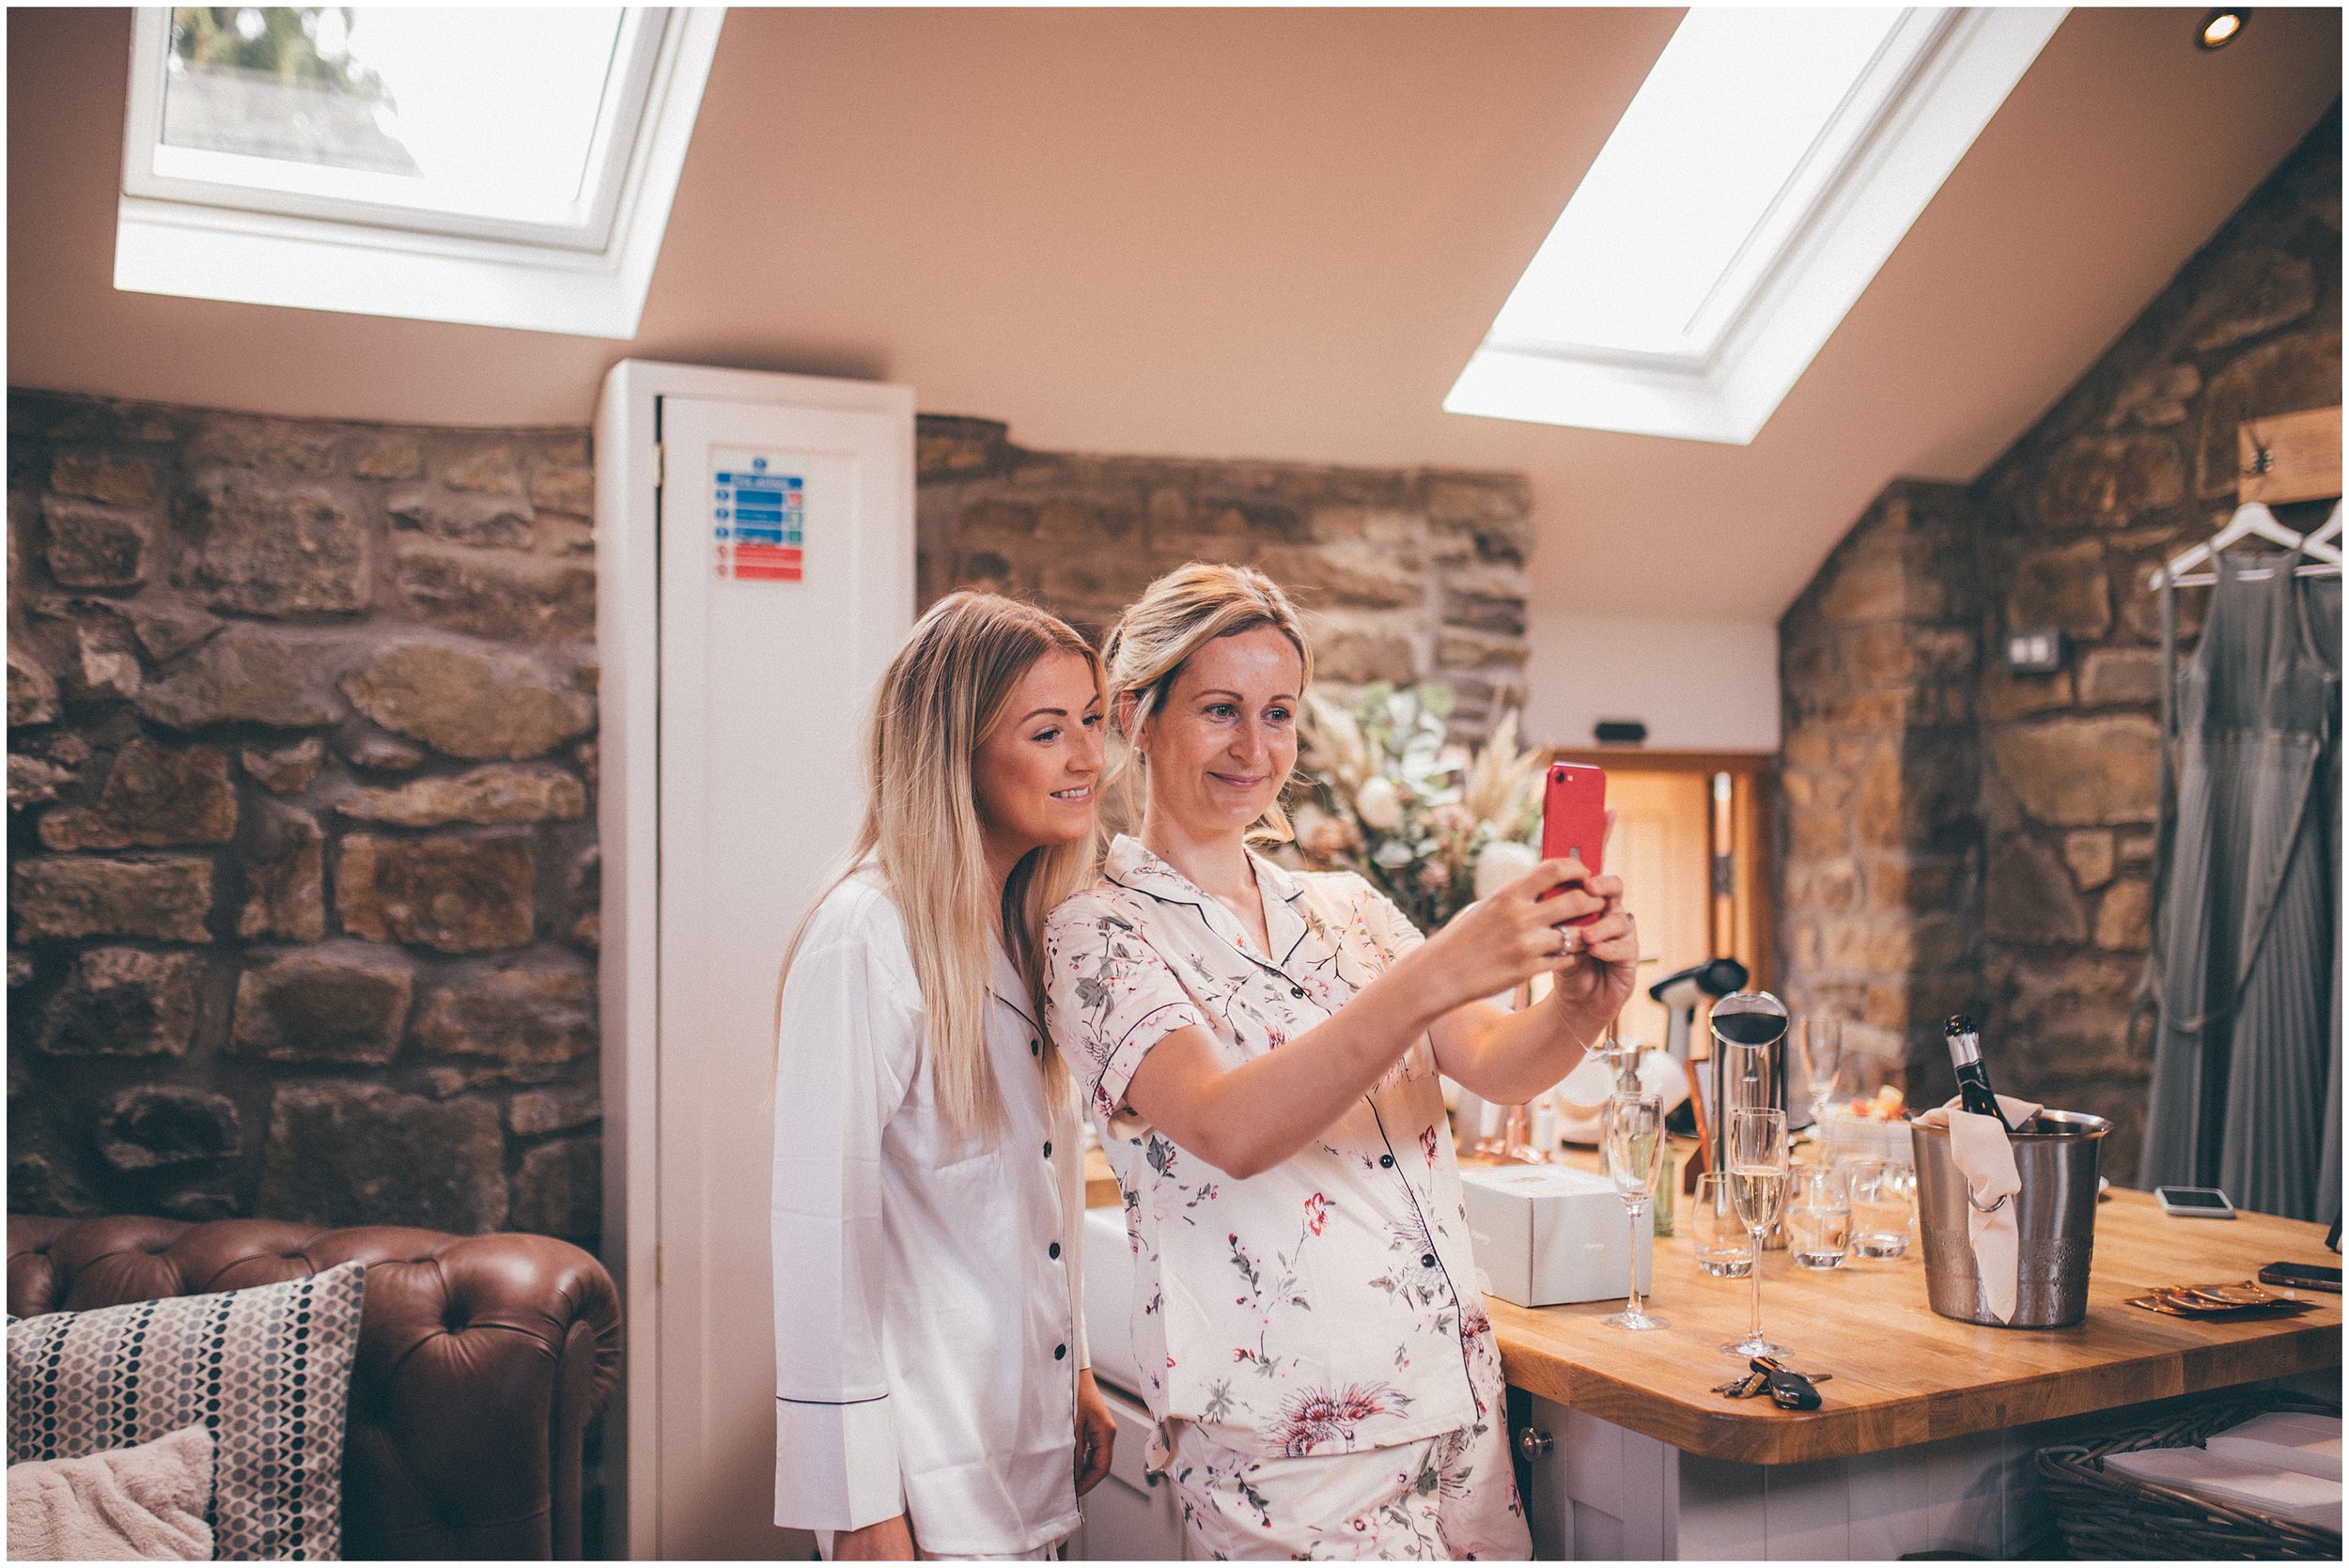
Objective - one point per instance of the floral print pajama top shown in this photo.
(1328, 1305)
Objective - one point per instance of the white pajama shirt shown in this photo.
(928, 1320)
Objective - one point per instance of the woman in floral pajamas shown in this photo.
(1260, 1049)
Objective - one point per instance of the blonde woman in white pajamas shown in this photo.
(1260, 1047)
(932, 1391)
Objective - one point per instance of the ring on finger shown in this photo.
(1568, 939)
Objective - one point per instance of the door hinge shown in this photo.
(659, 466)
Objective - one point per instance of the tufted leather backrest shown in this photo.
(481, 1361)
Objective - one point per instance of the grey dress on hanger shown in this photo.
(2246, 964)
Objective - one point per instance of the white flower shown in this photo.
(1502, 862)
(1333, 741)
(1377, 803)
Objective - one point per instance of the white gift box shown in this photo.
(1547, 1236)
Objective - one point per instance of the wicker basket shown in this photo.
(2109, 1515)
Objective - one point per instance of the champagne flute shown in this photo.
(1621, 1079)
(1635, 1156)
(1822, 1043)
(1757, 1186)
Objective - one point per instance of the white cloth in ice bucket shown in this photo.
(1981, 1150)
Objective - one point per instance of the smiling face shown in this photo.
(1224, 739)
(1035, 772)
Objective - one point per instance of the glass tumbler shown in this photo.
(1818, 1216)
(1883, 1201)
(1723, 1249)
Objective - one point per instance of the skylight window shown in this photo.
(485, 113)
(499, 166)
(1767, 167)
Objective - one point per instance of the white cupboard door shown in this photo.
(786, 583)
(1131, 1517)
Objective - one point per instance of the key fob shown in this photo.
(1791, 1391)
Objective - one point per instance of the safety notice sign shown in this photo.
(758, 517)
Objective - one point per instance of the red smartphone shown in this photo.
(1574, 819)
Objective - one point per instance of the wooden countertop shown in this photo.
(1904, 1374)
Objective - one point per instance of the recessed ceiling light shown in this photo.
(2220, 29)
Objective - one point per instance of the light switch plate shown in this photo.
(2035, 653)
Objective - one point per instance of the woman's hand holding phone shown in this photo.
(1598, 981)
(1499, 943)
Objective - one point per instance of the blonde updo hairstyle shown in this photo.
(1176, 617)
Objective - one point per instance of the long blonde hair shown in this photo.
(943, 695)
(1176, 617)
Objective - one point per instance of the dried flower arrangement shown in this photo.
(1427, 821)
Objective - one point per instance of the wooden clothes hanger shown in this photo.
(2254, 521)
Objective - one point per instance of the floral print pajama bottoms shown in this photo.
(1452, 1498)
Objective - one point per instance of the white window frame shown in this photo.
(264, 231)
(1931, 91)
(198, 175)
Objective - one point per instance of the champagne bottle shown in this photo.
(1973, 1078)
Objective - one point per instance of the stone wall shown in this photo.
(1881, 858)
(301, 830)
(2138, 461)
(1406, 575)
(2051, 895)
(302, 767)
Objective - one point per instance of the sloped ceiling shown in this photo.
(1265, 233)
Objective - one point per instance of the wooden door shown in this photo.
(1662, 850)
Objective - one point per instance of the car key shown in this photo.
(1790, 1390)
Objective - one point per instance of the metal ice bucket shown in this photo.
(2056, 1154)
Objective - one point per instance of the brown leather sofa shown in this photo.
(482, 1360)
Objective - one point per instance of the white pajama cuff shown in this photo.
(836, 1465)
